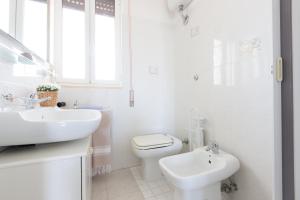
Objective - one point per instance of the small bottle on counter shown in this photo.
(61, 104)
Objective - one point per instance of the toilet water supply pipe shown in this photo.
(131, 91)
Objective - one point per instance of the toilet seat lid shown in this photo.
(152, 141)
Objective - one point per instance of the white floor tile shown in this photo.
(152, 190)
(128, 184)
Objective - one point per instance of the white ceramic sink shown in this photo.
(198, 174)
(46, 125)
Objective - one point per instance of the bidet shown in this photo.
(197, 175)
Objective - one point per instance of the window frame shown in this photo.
(89, 81)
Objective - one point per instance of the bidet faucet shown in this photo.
(213, 147)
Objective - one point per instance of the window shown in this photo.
(89, 43)
(4, 15)
(73, 40)
(34, 26)
(81, 38)
(105, 51)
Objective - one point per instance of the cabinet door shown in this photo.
(87, 175)
(53, 180)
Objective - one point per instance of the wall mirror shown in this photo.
(23, 37)
(24, 61)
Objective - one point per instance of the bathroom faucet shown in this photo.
(213, 147)
(31, 101)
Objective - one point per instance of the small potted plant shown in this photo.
(48, 90)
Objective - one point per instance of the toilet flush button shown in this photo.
(153, 70)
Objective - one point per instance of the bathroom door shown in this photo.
(290, 50)
(296, 88)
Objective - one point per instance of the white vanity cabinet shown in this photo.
(58, 171)
(87, 174)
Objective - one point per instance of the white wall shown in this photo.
(229, 45)
(16, 85)
(154, 94)
(296, 85)
(231, 51)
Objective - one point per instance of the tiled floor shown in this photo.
(152, 190)
(128, 184)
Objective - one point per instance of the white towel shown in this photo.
(101, 142)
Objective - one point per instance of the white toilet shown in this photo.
(151, 148)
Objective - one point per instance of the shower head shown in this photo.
(185, 17)
(180, 6)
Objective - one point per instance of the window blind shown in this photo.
(105, 7)
(102, 7)
(42, 1)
